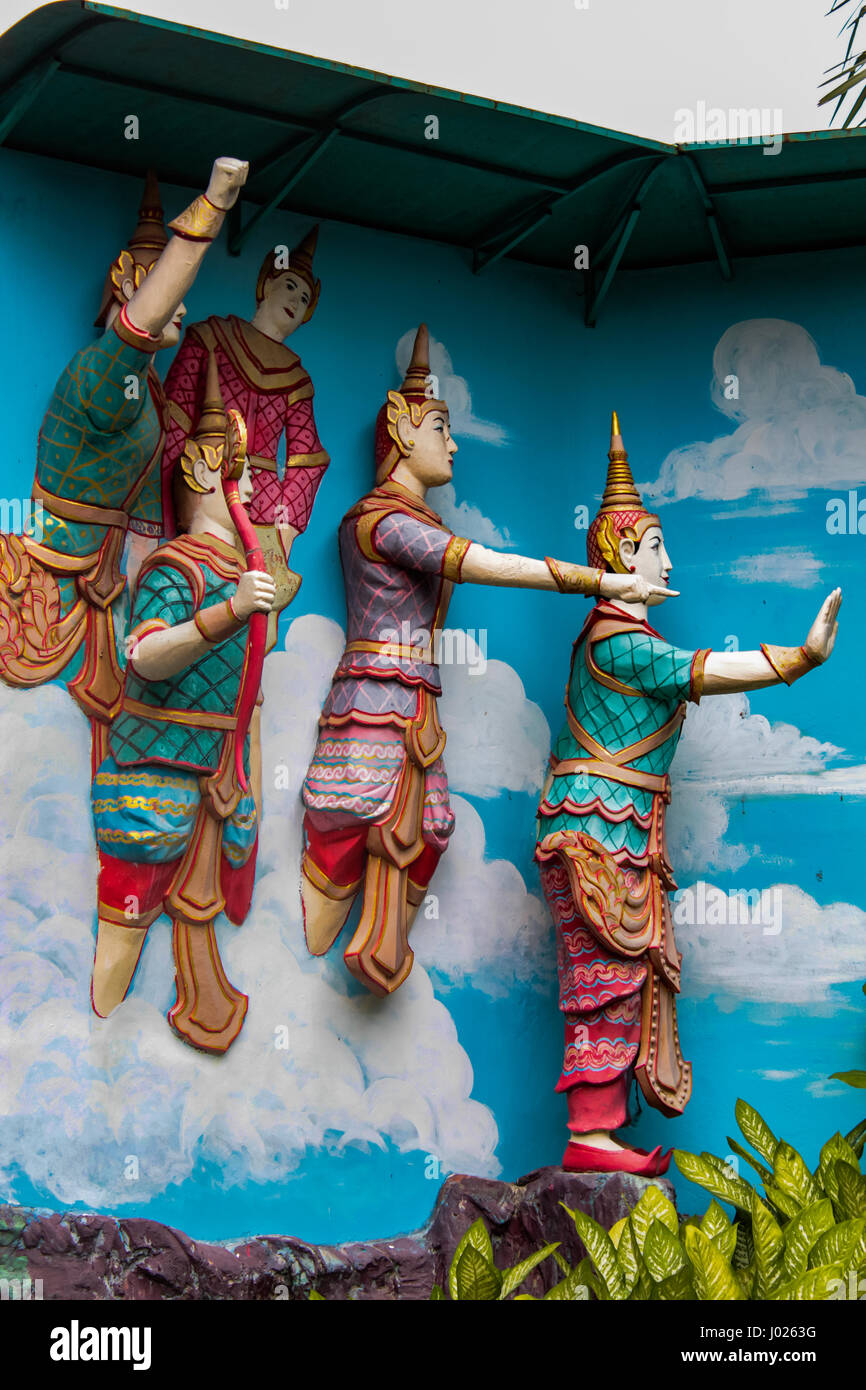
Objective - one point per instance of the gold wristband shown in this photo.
(574, 579)
(789, 663)
(218, 622)
(201, 221)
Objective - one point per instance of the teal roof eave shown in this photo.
(370, 74)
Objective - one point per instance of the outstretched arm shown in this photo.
(155, 301)
(483, 566)
(728, 672)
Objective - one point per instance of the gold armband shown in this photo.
(574, 579)
(789, 663)
(201, 221)
(218, 622)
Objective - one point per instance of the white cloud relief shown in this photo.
(80, 1094)
(799, 424)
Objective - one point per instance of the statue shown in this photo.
(176, 820)
(264, 379)
(376, 794)
(601, 842)
(97, 471)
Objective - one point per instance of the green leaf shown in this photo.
(652, 1205)
(769, 1248)
(563, 1264)
(756, 1131)
(788, 1206)
(663, 1254)
(512, 1278)
(437, 1294)
(816, 1286)
(835, 1148)
(727, 1189)
(477, 1236)
(475, 1279)
(856, 1137)
(713, 1277)
(851, 1078)
(617, 1229)
(791, 1176)
(601, 1251)
(714, 1221)
(628, 1259)
(852, 1190)
(571, 1289)
(840, 1245)
(315, 1297)
(677, 1288)
(802, 1232)
(759, 1168)
(743, 1256)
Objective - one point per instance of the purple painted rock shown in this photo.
(97, 1257)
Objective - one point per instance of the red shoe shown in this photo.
(583, 1158)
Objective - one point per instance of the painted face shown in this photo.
(288, 298)
(171, 333)
(652, 561)
(430, 460)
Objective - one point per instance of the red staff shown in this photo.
(234, 459)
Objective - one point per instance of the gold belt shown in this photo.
(85, 513)
(201, 719)
(628, 776)
(396, 650)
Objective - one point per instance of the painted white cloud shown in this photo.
(795, 567)
(498, 740)
(80, 1095)
(726, 753)
(799, 424)
(789, 950)
(464, 519)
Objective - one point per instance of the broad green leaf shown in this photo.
(769, 1249)
(677, 1288)
(713, 1277)
(746, 1279)
(616, 1231)
(571, 1289)
(512, 1278)
(835, 1147)
(628, 1258)
(759, 1168)
(857, 1138)
(788, 1206)
(652, 1205)
(601, 1251)
(816, 1286)
(714, 1221)
(840, 1245)
(316, 1297)
(727, 1189)
(756, 1131)
(563, 1264)
(438, 1294)
(663, 1254)
(477, 1236)
(792, 1177)
(852, 1190)
(802, 1232)
(851, 1078)
(475, 1279)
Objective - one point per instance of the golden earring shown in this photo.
(411, 443)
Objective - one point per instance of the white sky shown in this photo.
(624, 64)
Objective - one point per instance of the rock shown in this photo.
(97, 1257)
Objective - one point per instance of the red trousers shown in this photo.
(340, 855)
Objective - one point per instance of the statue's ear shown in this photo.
(405, 432)
(627, 550)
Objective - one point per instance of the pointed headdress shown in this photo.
(300, 261)
(414, 400)
(220, 437)
(141, 253)
(622, 512)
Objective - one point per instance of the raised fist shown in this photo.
(255, 594)
(227, 178)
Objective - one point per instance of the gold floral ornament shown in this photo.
(124, 270)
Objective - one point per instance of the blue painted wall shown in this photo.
(754, 568)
